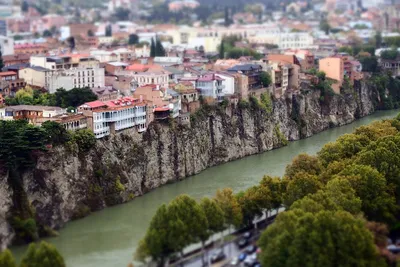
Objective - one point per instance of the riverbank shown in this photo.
(68, 184)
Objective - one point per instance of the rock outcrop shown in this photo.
(67, 184)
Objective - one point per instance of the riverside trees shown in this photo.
(337, 203)
(37, 255)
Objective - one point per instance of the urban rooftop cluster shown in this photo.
(124, 73)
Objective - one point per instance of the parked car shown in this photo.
(217, 256)
(257, 264)
(235, 261)
(247, 235)
(251, 249)
(251, 260)
(242, 256)
(243, 242)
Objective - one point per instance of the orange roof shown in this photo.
(7, 73)
(138, 67)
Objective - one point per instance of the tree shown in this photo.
(109, 30)
(90, 33)
(185, 209)
(276, 188)
(122, 14)
(71, 42)
(57, 134)
(1, 61)
(378, 201)
(156, 242)
(222, 50)
(159, 49)
(42, 255)
(299, 238)
(74, 97)
(227, 201)
(133, 39)
(84, 138)
(299, 186)
(47, 34)
(304, 163)
(152, 48)
(7, 259)
(24, 6)
(227, 20)
(389, 54)
(378, 39)
(324, 26)
(253, 202)
(369, 64)
(265, 79)
(215, 219)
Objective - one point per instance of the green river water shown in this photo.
(109, 237)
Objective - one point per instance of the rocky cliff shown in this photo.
(67, 184)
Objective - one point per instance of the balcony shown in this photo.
(221, 87)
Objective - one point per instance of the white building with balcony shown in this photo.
(210, 86)
(112, 116)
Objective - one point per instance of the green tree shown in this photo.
(215, 220)
(378, 201)
(230, 206)
(195, 226)
(109, 30)
(57, 134)
(304, 163)
(324, 26)
(24, 6)
(253, 202)
(276, 188)
(152, 48)
(378, 39)
(7, 259)
(1, 61)
(42, 255)
(299, 186)
(47, 34)
(265, 79)
(122, 14)
(159, 49)
(71, 42)
(157, 242)
(369, 64)
(74, 97)
(84, 138)
(389, 54)
(324, 238)
(133, 39)
(222, 50)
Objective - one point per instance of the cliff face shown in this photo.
(67, 184)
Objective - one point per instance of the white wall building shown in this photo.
(75, 78)
(210, 85)
(6, 45)
(228, 83)
(285, 40)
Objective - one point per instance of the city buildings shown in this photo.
(109, 117)
(334, 69)
(6, 45)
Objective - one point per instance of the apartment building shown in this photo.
(72, 122)
(120, 55)
(14, 83)
(30, 49)
(254, 87)
(285, 72)
(305, 58)
(284, 40)
(33, 114)
(391, 65)
(16, 59)
(334, 69)
(109, 117)
(6, 45)
(211, 87)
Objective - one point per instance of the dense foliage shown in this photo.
(61, 98)
(37, 255)
(338, 203)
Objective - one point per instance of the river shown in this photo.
(109, 237)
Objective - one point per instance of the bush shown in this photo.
(85, 139)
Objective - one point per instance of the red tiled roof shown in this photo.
(209, 78)
(95, 104)
(22, 46)
(8, 73)
(161, 109)
(138, 67)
